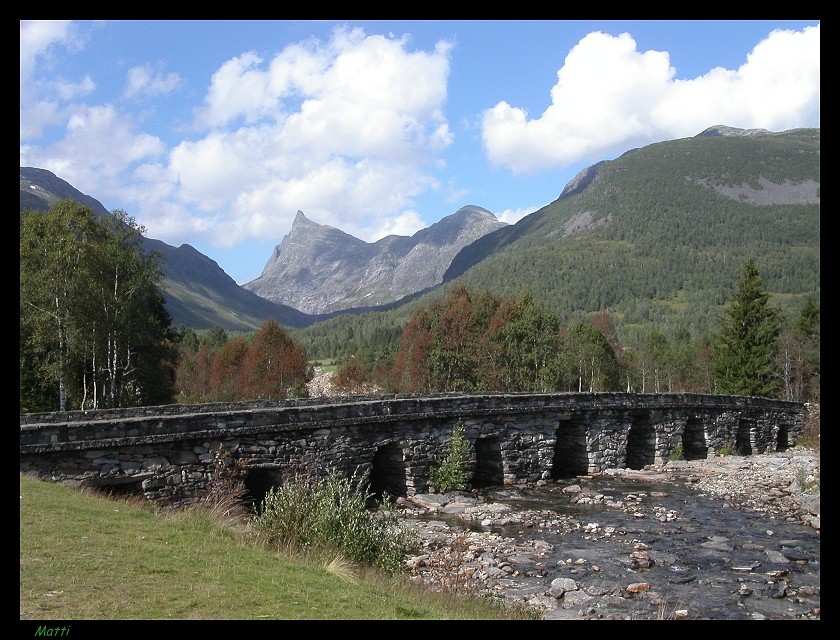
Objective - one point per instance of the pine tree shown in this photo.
(747, 339)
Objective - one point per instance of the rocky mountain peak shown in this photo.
(320, 269)
(730, 132)
(302, 222)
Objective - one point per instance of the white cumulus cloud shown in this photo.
(610, 97)
(146, 81)
(344, 131)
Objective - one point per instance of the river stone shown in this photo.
(776, 557)
(567, 584)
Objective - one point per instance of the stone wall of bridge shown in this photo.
(172, 454)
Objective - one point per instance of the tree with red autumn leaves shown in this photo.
(274, 366)
(268, 366)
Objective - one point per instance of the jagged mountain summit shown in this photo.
(319, 269)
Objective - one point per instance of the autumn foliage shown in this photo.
(479, 341)
(268, 366)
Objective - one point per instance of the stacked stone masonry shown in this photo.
(172, 454)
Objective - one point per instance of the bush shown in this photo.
(330, 514)
(728, 449)
(677, 453)
(450, 473)
(225, 497)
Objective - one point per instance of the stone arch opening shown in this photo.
(258, 481)
(641, 443)
(119, 487)
(694, 443)
(782, 437)
(571, 457)
(388, 472)
(745, 437)
(489, 468)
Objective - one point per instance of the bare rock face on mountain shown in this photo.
(319, 269)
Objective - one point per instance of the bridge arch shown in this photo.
(782, 435)
(259, 480)
(571, 452)
(641, 443)
(388, 471)
(489, 463)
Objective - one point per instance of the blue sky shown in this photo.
(215, 133)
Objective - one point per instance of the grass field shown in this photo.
(89, 557)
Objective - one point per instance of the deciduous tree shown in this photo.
(93, 320)
(412, 362)
(226, 371)
(590, 363)
(530, 345)
(275, 366)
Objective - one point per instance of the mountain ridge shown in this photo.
(655, 236)
(319, 269)
(198, 293)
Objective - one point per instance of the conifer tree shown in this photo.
(747, 339)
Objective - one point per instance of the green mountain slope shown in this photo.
(656, 237)
(659, 234)
(198, 293)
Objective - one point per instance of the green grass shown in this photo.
(328, 365)
(89, 557)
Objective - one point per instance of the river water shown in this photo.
(700, 559)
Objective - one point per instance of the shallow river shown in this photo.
(703, 560)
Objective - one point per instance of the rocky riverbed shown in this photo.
(728, 537)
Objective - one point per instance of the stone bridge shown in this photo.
(173, 453)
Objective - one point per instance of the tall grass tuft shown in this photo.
(224, 502)
(330, 514)
(339, 567)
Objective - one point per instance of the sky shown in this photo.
(215, 133)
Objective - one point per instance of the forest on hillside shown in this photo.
(478, 341)
(99, 337)
(624, 285)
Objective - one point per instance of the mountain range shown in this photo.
(656, 236)
(319, 269)
(315, 272)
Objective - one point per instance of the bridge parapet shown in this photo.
(169, 451)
